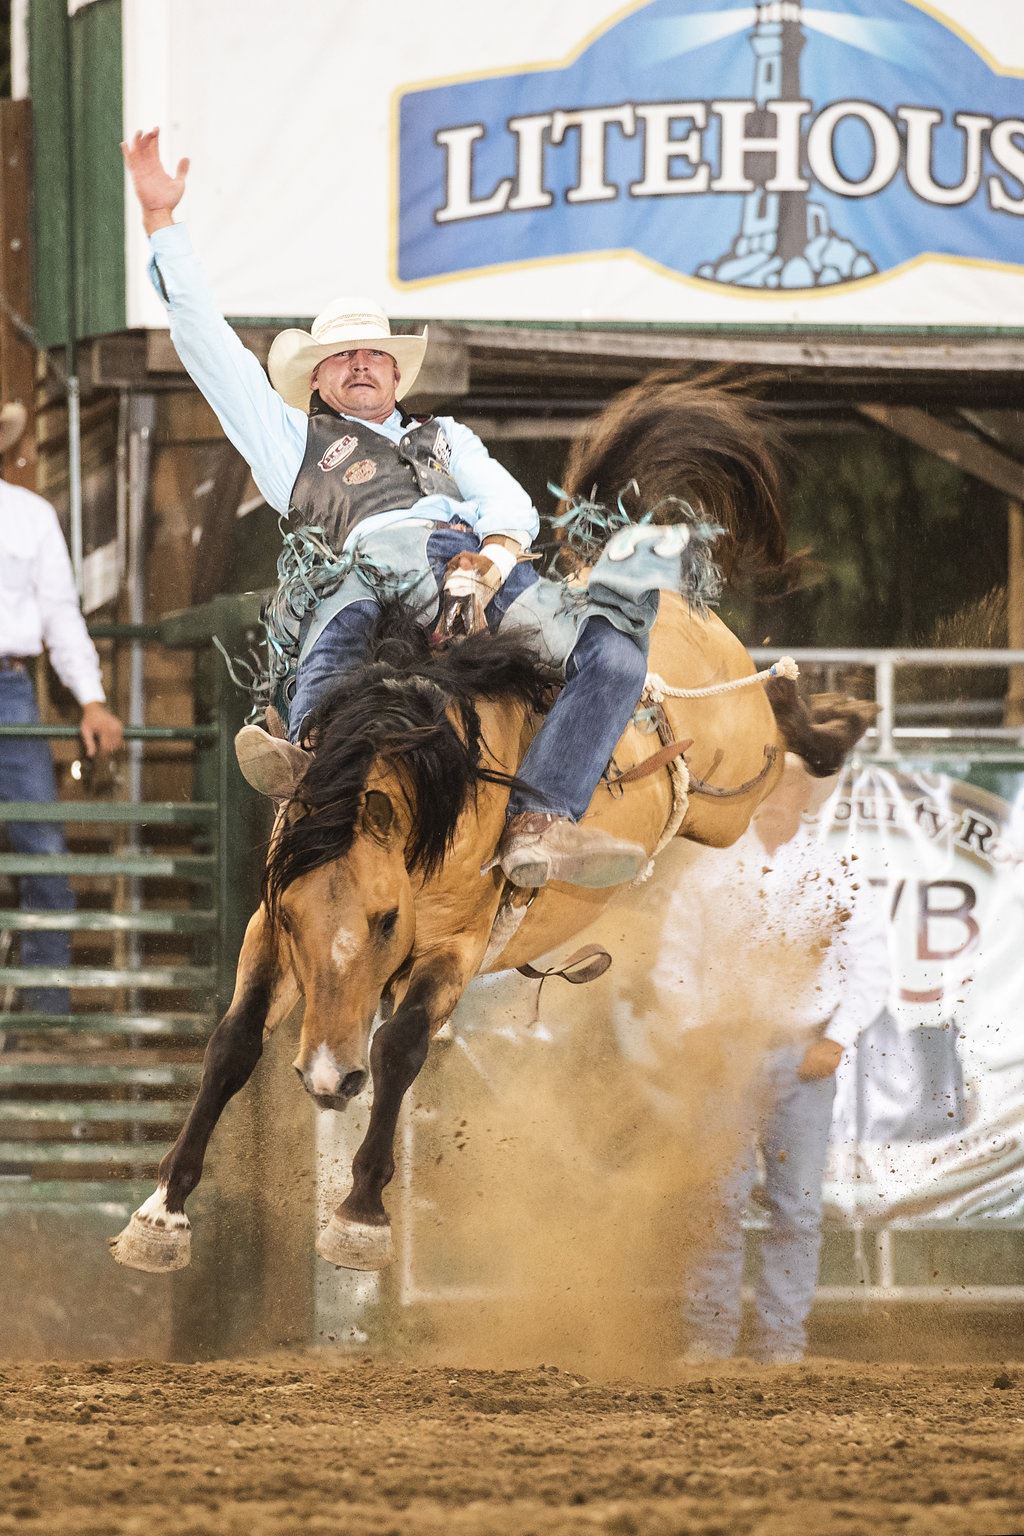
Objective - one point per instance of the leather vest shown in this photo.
(349, 472)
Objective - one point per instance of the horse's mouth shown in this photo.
(332, 1100)
(348, 1089)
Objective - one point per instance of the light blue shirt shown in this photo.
(271, 435)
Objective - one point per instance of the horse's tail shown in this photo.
(700, 441)
(824, 729)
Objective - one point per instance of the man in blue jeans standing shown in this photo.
(39, 608)
(420, 504)
(815, 960)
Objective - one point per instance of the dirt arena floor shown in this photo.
(353, 1444)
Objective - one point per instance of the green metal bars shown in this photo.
(91, 1099)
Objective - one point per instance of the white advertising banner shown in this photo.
(820, 162)
(929, 1117)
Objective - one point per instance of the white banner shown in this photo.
(929, 1118)
(821, 162)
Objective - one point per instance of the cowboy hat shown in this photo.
(343, 326)
(13, 420)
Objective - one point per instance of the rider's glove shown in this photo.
(470, 581)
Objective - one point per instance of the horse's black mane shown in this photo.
(413, 708)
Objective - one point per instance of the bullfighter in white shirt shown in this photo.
(40, 608)
(815, 948)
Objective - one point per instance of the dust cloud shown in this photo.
(565, 1166)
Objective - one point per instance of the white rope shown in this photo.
(680, 777)
(658, 690)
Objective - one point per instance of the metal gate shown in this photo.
(91, 1099)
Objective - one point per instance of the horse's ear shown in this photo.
(378, 816)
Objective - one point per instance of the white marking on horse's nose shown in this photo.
(343, 947)
(323, 1075)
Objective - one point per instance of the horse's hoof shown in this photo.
(355, 1244)
(154, 1249)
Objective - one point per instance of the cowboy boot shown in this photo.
(273, 767)
(537, 847)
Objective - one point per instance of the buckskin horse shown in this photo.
(378, 898)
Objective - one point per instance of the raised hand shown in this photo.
(158, 192)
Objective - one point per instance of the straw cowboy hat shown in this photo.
(343, 326)
(13, 420)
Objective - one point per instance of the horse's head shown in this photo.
(348, 927)
(368, 817)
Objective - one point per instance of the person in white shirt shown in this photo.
(813, 938)
(39, 608)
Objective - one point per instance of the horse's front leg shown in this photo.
(158, 1236)
(358, 1235)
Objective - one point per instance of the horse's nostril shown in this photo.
(352, 1083)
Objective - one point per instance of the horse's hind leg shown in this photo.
(358, 1235)
(158, 1235)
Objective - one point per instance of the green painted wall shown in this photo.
(96, 168)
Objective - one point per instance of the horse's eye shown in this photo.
(284, 920)
(387, 922)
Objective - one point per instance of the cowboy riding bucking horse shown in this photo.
(411, 507)
(461, 771)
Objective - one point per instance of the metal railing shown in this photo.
(90, 1098)
(888, 737)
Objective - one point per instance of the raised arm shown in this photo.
(158, 192)
(269, 434)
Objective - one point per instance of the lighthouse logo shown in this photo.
(779, 145)
(785, 239)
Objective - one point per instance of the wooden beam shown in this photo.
(565, 428)
(115, 362)
(800, 350)
(961, 449)
(1003, 428)
(162, 358)
(445, 373)
(17, 349)
(514, 429)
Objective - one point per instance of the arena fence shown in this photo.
(91, 1098)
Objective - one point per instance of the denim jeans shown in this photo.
(26, 773)
(342, 645)
(605, 676)
(793, 1124)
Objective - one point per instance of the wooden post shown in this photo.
(1014, 712)
(17, 348)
